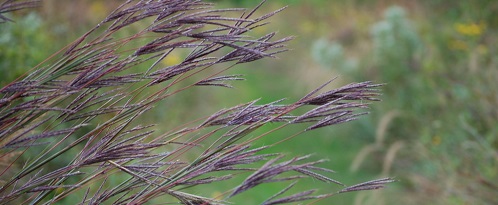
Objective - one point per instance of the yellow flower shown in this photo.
(458, 45)
(436, 140)
(308, 27)
(472, 29)
(98, 10)
(262, 30)
(172, 59)
(482, 49)
(217, 195)
(59, 190)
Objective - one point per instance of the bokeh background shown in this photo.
(436, 129)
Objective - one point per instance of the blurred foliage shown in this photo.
(443, 139)
(27, 36)
(395, 46)
(332, 53)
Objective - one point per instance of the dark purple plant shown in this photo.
(84, 102)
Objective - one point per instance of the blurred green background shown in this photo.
(436, 129)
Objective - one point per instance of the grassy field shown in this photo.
(436, 130)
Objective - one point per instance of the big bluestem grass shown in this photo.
(13, 5)
(85, 103)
